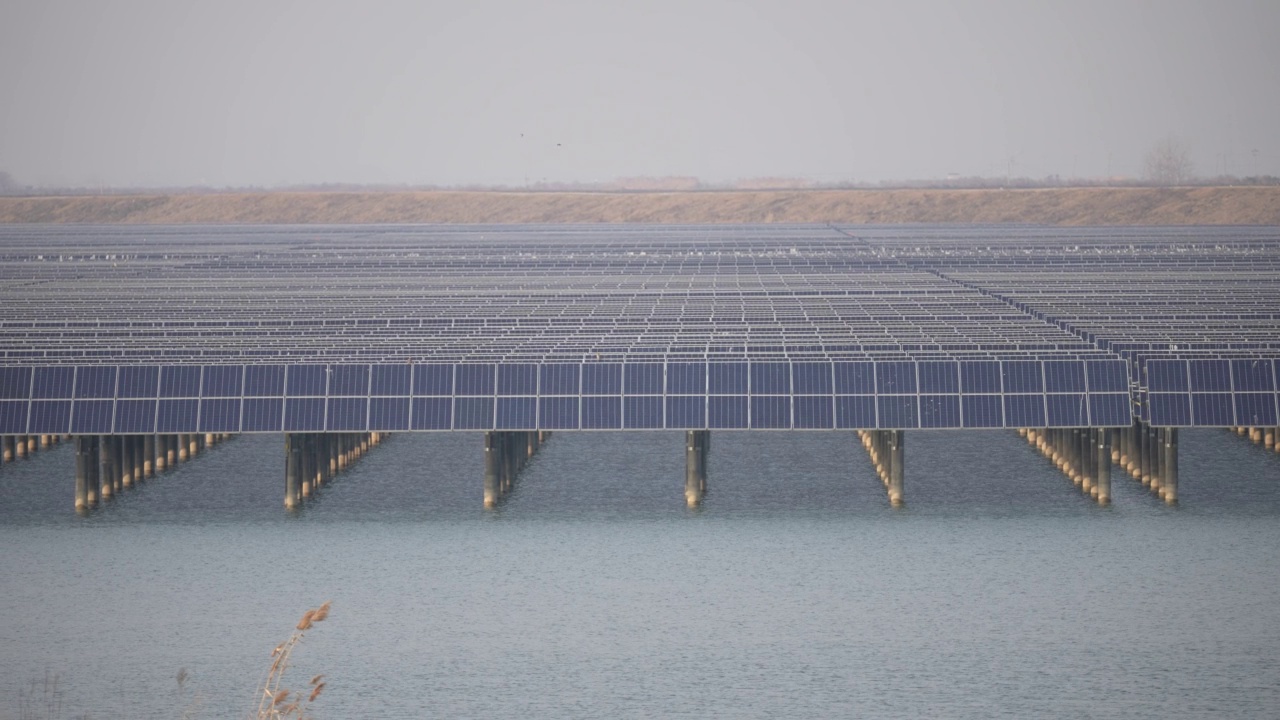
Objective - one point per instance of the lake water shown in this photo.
(592, 592)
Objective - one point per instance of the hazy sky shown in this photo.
(269, 92)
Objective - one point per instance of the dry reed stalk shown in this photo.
(274, 701)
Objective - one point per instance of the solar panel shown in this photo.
(612, 327)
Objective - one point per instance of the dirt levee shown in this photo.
(1058, 206)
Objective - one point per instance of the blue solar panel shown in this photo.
(770, 378)
(15, 384)
(136, 416)
(813, 412)
(264, 381)
(173, 415)
(1253, 375)
(770, 412)
(939, 377)
(303, 414)
(472, 413)
(222, 381)
(686, 379)
(438, 380)
(856, 412)
(140, 381)
(855, 378)
(1255, 409)
(1063, 376)
(517, 379)
(1070, 410)
(811, 378)
(1210, 376)
(349, 380)
(643, 379)
(305, 381)
(1110, 409)
(262, 414)
(980, 376)
(1107, 375)
(1167, 376)
(560, 379)
(92, 416)
(601, 413)
(983, 411)
(642, 412)
(436, 413)
(727, 411)
(389, 413)
(347, 414)
(1025, 411)
(50, 416)
(894, 378)
(899, 412)
(517, 413)
(1212, 408)
(181, 381)
(558, 413)
(220, 414)
(96, 382)
(391, 380)
(602, 379)
(939, 411)
(1169, 409)
(727, 379)
(1023, 376)
(13, 417)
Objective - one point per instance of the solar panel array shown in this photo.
(264, 329)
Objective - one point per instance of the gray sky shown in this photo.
(269, 92)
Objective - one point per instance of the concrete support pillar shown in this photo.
(897, 455)
(148, 456)
(139, 459)
(293, 462)
(106, 462)
(117, 461)
(1102, 470)
(1088, 461)
(10, 453)
(92, 470)
(20, 447)
(125, 448)
(306, 470)
(184, 445)
(1169, 481)
(1155, 441)
(33, 444)
(695, 463)
(332, 444)
(193, 446)
(492, 468)
(82, 473)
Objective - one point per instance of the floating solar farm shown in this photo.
(129, 330)
(140, 330)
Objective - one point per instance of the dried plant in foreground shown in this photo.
(275, 701)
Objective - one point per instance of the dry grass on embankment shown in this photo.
(1059, 206)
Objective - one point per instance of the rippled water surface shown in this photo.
(592, 592)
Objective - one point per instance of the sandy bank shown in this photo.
(1065, 206)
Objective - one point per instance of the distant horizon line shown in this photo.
(649, 184)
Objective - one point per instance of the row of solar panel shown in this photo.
(1220, 409)
(673, 378)
(1240, 375)
(563, 413)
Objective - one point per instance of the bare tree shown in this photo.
(7, 185)
(1168, 162)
